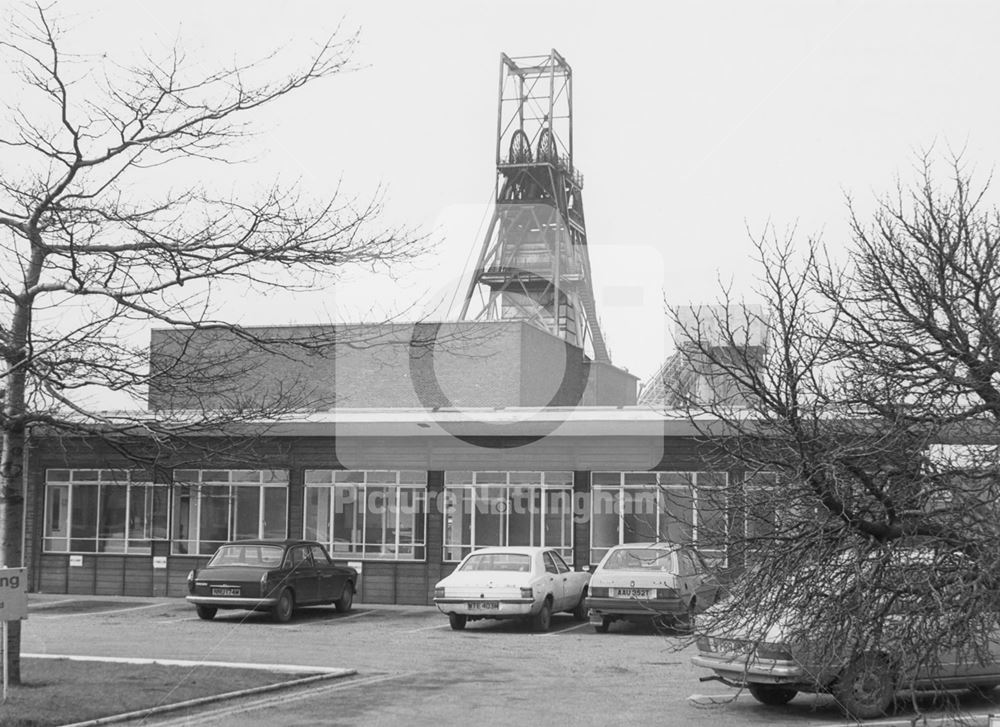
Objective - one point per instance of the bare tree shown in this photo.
(102, 232)
(850, 506)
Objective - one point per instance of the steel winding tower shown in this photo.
(534, 264)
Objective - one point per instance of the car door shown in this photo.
(959, 665)
(329, 578)
(700, 581)
(556, 578)
(571, 583)
(687, 581)
(302, 574)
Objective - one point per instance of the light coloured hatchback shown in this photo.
(664, 582)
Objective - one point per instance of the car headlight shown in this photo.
(190, 581)
(527, 592)
(439, 592)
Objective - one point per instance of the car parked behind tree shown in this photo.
(914, 631)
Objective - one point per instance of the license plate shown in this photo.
(225, 591)
(485, 605)
(730, 646)
(633, 593)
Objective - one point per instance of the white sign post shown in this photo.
(13, 607)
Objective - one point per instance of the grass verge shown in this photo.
(60, 692)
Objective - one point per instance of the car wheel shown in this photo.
(543, 619)
(602, 627)
(206, 613)
(282, 611)
(346, 600)
(580, 612)
(772, 694)
(457, 621)
(866, 688)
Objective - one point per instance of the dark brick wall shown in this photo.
(456, 364)
(610, 386)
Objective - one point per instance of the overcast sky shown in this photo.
(692, 123)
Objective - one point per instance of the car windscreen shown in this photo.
(640, 559)
(515, 562)
(257, 556)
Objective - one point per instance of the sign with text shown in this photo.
(13, 594)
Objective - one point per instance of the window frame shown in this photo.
(399, 550)
(98, 483)
(661, 486)
(537, 484)
(204, 485)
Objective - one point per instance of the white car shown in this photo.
(788, 651)
(512, 583)
(661, 582)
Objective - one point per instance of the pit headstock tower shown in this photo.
(534, 263)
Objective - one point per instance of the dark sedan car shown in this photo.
(272, 575)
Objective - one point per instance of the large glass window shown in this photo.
(507, 508)
(103, 511)
(211, 507)
(761, 515)
(367, 514)
(636, 507)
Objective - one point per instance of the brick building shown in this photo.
(405, 447)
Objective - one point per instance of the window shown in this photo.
(761, 515)
(512, 562)
(319, 556)
(652, 559)
(371, 514)
(677, 507)
(558, 563)
(688, 567)
(253, 556)
(507, 508)
(298, 556)
(103, 511)
(212, 507)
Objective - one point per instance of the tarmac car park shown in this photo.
(407, 659)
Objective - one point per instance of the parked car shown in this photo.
(650, 581)
(512, 583)
(782, 660)
(274, 575)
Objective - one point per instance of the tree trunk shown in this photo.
(12, 456)
(11, 509)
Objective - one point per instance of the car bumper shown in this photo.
(634, 608)
(739, 670)
(483, 607)
(232, 602)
